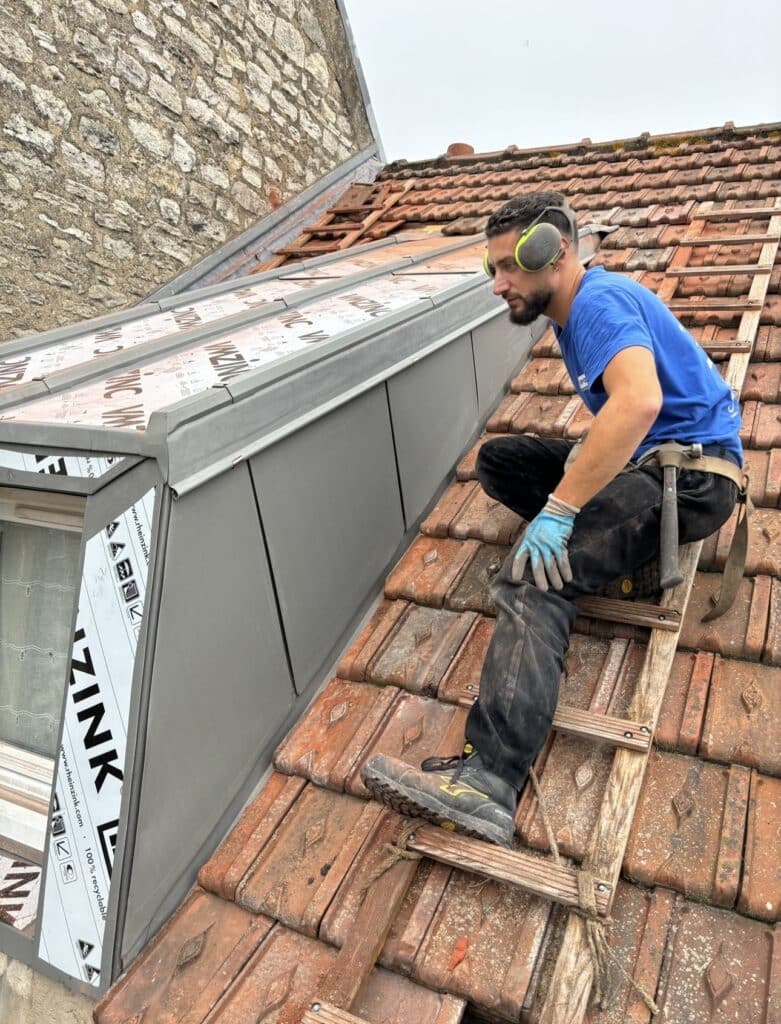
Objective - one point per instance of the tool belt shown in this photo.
(670, 453)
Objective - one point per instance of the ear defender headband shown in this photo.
(540, 244)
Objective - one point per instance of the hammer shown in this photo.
(670, 573)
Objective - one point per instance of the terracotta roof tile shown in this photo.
(764, 470)
(299, 870)
(189, 965)
(720, 965)
(760, 891)
(764, 548)
(472, 590)
(483, 943)
(741, 631)
(429, 569)
(545, 376)
(685, 699)
(384, 620)
(416, 727)
(325, 744)
(233, 858)
(743, 722)
(638, 939)
(485, 519)
(421, 649)
(689, 827)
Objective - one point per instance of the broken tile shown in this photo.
(383, 622)
(234, 856)
(301, 867)
(688, 827)
(679, 726)
(483, 518)
(416, 728)
(188, 966)
(324, 744)
(483, 943)
(719, 968)
(472, 590)
(740, 632)
(437, 522)
(420, 651)
(428, 570)
(638, 938)
(760, 891)
(743, 722)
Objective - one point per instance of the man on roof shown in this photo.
(591, 519)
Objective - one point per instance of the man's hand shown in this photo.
(545, 545)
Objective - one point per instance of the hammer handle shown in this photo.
(668, 548)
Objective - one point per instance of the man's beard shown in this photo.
(534, 306)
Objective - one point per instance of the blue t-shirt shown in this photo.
(611, 312)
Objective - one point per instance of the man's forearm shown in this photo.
(618, 429)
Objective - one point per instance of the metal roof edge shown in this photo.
(277, 219)
(367, 103)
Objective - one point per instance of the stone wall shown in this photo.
(136, 136)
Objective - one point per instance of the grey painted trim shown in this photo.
(127, 835)
(110, 502)
(273, 407)
(254, 234)
(367, 103)
(64, 484)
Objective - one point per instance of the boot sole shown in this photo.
(409, 805)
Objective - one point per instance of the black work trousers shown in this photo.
(616, 532)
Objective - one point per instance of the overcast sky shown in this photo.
(495, 73)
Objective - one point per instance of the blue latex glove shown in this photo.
(545, 545)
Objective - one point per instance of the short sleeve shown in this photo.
(609, 322)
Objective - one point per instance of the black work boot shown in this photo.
(458, 793)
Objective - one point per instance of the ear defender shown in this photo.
(540, 244)
(538, 247)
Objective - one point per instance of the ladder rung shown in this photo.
(652, 616)
(605, 728)
(727, 240)
(556, 882)
(315, 249)
(346, 211)
(343, 228)
(739, 213)
(324, 1013)
(726, 346)
(743, 268)
(711, 305)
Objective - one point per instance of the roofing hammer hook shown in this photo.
(670, 572)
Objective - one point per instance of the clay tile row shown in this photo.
(221, 962)
(750, 629)
(700, 963)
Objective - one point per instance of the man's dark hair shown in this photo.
(520, 211)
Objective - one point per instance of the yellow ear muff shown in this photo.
(489, 270)
(538, 247)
